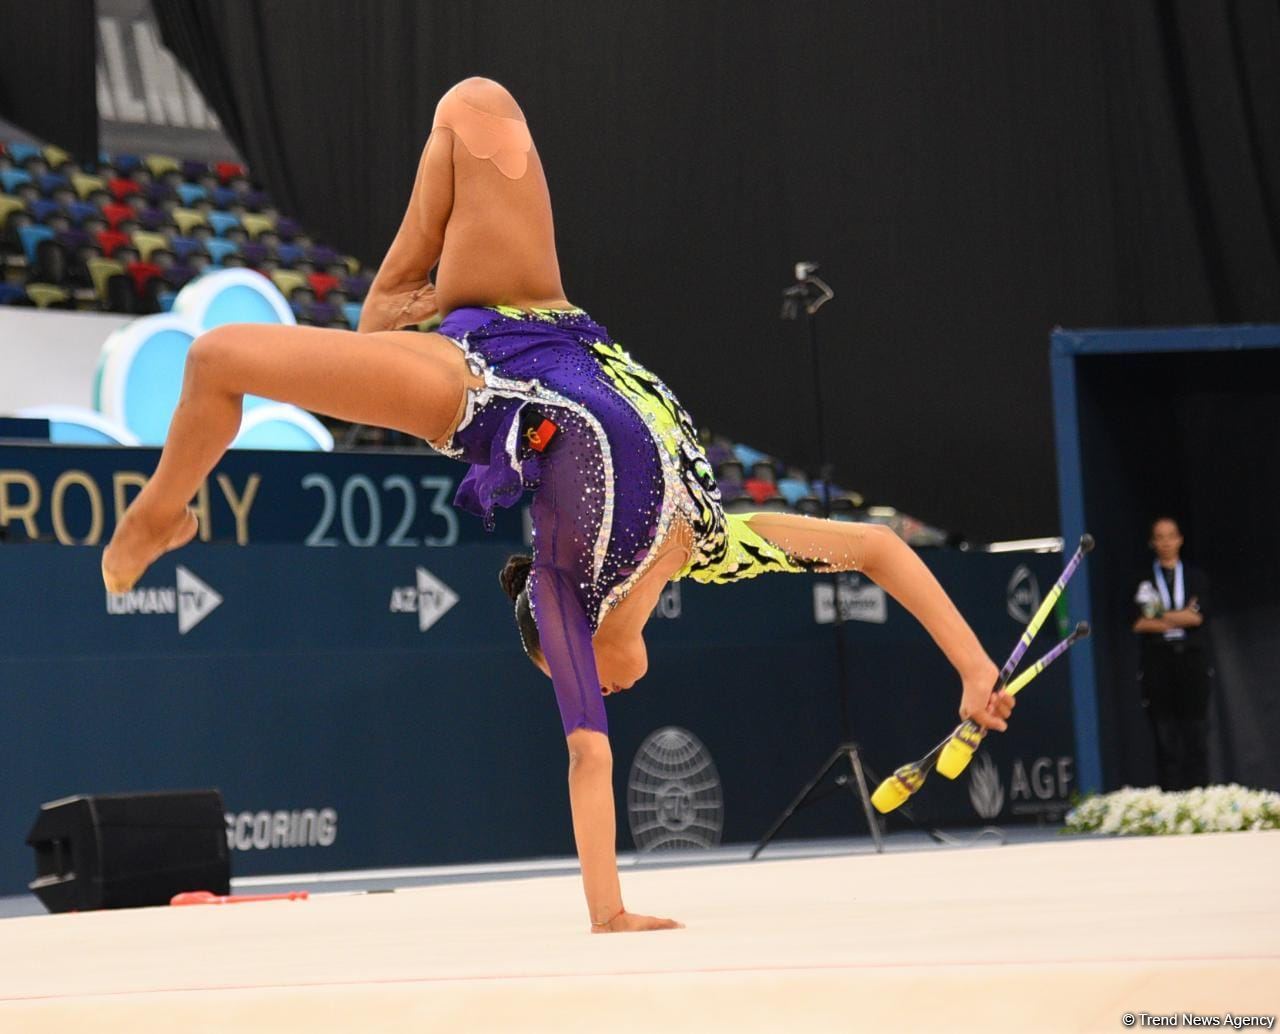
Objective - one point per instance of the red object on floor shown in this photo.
(207, 897)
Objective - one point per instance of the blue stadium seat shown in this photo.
(222, 222)
(82, 210)
(352, 311)
(224, 197)
(793, 489)
(184, 246)
(288, 254)
(51, 181)
(219, 249)
(31, 236)
(747, 455)
(42, 209)
(12, 178)
(20, 152)
(124, 163)
(11, 293)
(191, 193)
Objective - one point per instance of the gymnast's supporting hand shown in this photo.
(595, 830)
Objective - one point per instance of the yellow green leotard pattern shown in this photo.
(726, 549)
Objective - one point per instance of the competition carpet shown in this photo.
(1065, 936)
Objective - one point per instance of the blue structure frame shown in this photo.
(1066, 346)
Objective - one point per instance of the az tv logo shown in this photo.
(430, 599)
(191, 600)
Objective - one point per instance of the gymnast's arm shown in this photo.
(402, 293)
(565, 636)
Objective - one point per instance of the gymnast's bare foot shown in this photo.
(139, 541)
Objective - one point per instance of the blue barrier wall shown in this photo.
(371, 706)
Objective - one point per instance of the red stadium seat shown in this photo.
(322, 284)
(109, 240)
(121, 188)
(759, 490)
(228, 171)
(118, 213)
(142, 273)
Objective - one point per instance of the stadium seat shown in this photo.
(86, 184)
(222, 222)
(100, 271)
(748, 456)
(322, 255)
(151, 218)
(110, 240)
(287, 228)
(843, 509)
(125, 164)
(178, 275)
(159, 193)
(192, 170)
(46, 295)
(809, 505)
(255, 200)
(147, 242)
(322, 284)
(255, 254)
(190, 193)
(289, 254)
(56, 156)
(188, 219)
(352, 311)
(288, 281)
(731, 470)
(224, 197)
(184, 247)
(21, 152)
(356, 287)
(11, 179)
(79, 211)
(8, 204)
(142, 273)
(159, 164)
(42, 210)
(13, 294)
(793, 489)
(760, 491)
(122, 188)
(51, 263)
(256, 224)
(117, 213)
(227, 171)
(763, 471)
(32, 235)
(219, 249)
(51, 181)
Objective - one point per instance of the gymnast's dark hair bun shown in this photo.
(514, 574)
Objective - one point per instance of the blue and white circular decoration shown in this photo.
(139, 377)
(71, 425)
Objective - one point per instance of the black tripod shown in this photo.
(809, 294)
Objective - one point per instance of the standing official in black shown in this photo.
(1173, 679)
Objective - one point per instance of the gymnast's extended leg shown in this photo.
(882, 556)
(401, 379)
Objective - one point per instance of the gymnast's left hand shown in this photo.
(627, 922)
(989, 710)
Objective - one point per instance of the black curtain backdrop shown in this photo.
(1192, 435)
(47, 72)
(969, 176)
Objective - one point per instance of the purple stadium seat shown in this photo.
(322, 254)
(323, 312)
(73, 240)
(157, 193)
(150, 218)
(13, 294)
(193, 170)
(177, 275)
(183, 247)
(287, 228)
(257, 199)
(356, 287)
(52, 181)
(254, 253)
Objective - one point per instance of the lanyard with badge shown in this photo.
(1179, 599)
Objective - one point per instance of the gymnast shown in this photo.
(534, 395)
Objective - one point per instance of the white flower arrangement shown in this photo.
(1148, 811)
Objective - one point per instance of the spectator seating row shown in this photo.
(125, 234)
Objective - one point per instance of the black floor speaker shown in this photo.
(129, 850)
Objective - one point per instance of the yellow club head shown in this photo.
(955, 758)
(895, 790)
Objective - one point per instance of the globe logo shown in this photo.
(674, 800)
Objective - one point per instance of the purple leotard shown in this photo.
(622, 464)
